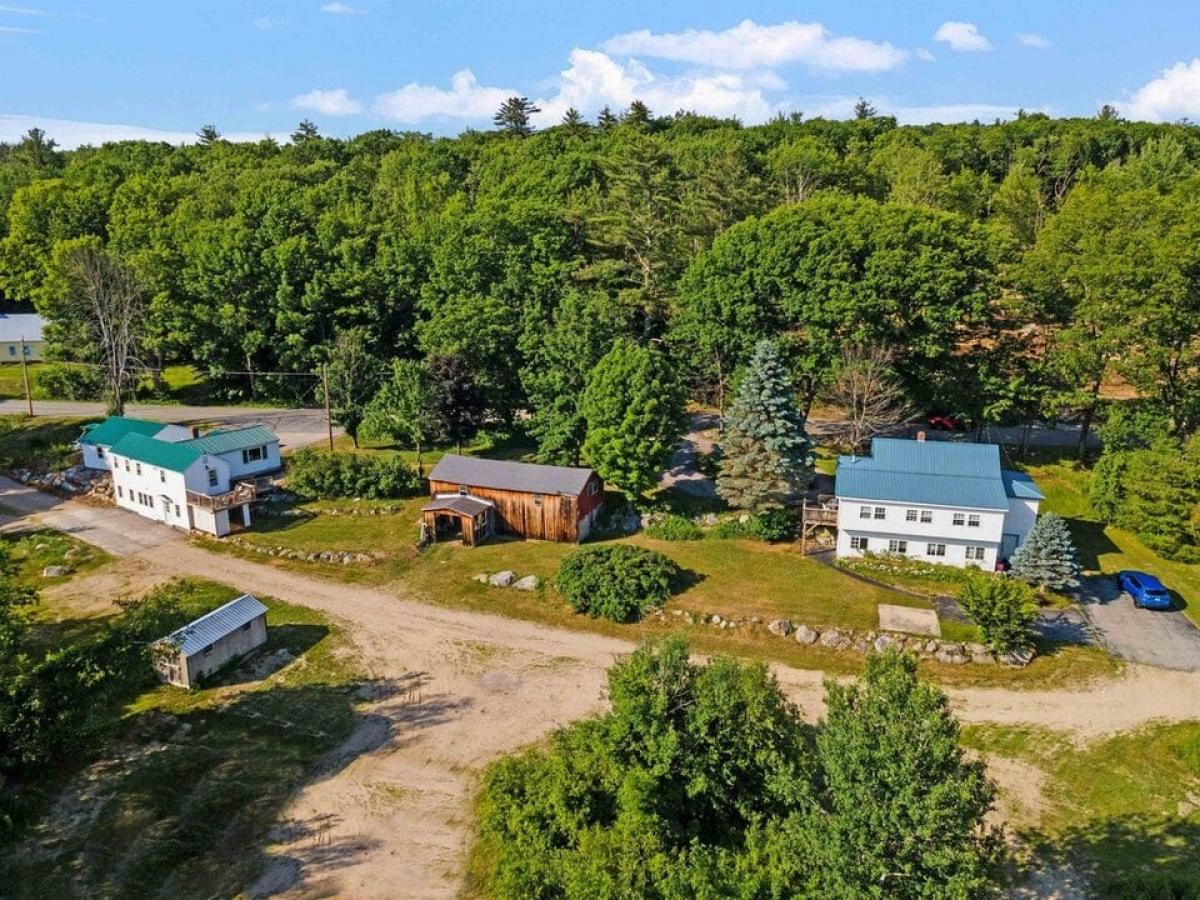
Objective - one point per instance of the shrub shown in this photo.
(59, 381)
(323, 475)
(675, 528)
(618, 582)
(1002, 607)
(875, 564)
(772, 525)
(1048, 557)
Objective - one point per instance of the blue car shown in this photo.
(1146, 590)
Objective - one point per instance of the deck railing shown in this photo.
(243, 492)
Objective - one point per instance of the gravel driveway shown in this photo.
(1165, 638)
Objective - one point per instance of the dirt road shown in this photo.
(395, 820)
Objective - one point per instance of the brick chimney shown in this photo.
(920, 435)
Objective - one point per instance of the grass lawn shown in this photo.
(1119, 809)
(193, 780)
(1104, 548)
(727, 577)
(31, 552)
(40, 442)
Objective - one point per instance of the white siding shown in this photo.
(240, 466)
(1021, 516)
(161, 494)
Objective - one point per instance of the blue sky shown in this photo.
(91, 71)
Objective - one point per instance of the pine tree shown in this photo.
(573, 122)
(1048, 557)
(513, 116)
(638, 115)
(606, 120)
(306, 130)
(864, 109)
(766, 452)
(208, 135)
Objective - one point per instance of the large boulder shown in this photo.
(806, 635)
(55, 571)
(528, 583)
(781, 627)
(502, 579)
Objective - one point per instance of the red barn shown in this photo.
(479, 497)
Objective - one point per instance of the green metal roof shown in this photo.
(940, 473)
(112, 429)
(222, 441)
(164, 454)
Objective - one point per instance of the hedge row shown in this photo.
(322, 475)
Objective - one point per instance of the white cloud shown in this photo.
(1173, 95)
(749, 45)
(12, 29)
(961, 36)
(924, 55)
(23, 11)
(343, 9)
(466, 99)
(336, 102)
(70, 133)
(906, 114)
(1029, 39)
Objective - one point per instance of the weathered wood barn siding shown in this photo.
(547, 517)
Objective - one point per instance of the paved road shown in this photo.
(1155, 637)
(117, 531)
(295, 427)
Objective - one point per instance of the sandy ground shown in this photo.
(469, 687)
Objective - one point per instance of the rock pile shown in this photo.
(508, 578)
(337, 557)
(846, 639)
(73, 481)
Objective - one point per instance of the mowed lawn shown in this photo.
(1106, 548)
(1122, 811)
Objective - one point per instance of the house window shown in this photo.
(594, 488)
(864, 512)
(253, 454)
(162, 475)
(935, 550)
(537, 499)
(127, 465)
(212, 478)
(120, 492)
(99, 453)
(975, 553)
(880, 512)
(927, 516)
(973, 521)
(960, 519)
(167, 507)
(12, 351)
(910, 515)
(463, 489)
(858, 543)
(138, 466)
(900, 547)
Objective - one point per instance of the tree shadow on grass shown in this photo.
(285, 643)
(1091, 541)
(183, 804)
(1129, 857)
(685, 579)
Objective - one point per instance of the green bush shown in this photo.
(1002, 607)
(323, 475)
(59, 381)
(772, 526)
(675, 528)
(877, 565)
(617, 582)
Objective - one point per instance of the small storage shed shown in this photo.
(201, 647)
(479, 497)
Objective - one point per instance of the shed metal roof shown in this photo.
(211, 627)
(173, 457)
(502, 475)
(112, 429)
(233, 439)
(459, 503)
(940, 473)
(15, 326)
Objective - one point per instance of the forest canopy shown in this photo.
(1006, 270)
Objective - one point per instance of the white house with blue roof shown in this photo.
(936, 501)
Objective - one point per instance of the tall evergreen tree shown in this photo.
(208, 134)
(306, 130)
(864, 109)
(606, 120)
(1048, 557)
(513, 116)
(766, 452)
(573, 122)
(638, 114)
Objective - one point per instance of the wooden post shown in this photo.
(328, 415)
(25, 378)
(804, 527)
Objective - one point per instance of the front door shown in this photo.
(1008, 545)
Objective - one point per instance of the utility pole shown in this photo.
(25, 378)
(328, 416)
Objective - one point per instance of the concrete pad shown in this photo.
(909, 620)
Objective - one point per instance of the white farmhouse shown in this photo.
(193, 484)
(98, 439)
(935, 501)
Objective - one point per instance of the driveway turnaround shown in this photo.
(1165, 638)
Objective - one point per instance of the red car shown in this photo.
(947, 422)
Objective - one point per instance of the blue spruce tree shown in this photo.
(1048, 558)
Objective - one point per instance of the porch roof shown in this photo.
(463, 504)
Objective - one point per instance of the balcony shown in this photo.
(243, 492)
